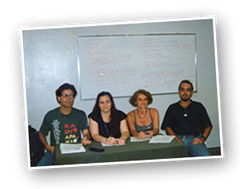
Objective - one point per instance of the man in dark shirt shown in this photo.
(64, 123)
(188, 121)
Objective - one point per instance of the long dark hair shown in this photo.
(113, 124)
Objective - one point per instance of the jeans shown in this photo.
(194, 150)
(46, 160)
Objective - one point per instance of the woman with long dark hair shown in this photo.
(106, 123)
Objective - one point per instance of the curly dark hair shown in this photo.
(133, 98)
(65, 86)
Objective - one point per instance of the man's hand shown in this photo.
(177, 139)
(85, 141)
(50, 149)
(197, 141)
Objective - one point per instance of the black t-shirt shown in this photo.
(104, 129)
(186, 121)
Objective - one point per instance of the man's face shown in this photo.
(185, 92)
(66, 99)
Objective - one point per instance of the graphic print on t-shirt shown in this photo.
(56, 131)
(71, 133)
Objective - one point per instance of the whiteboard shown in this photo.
(122, 64)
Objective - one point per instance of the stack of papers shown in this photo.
(162, 139)
(71, 148)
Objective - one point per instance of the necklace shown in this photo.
(185, 113)
(140, 116)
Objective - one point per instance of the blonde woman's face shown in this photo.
(142, 101)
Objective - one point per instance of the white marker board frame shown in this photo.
(122, 64)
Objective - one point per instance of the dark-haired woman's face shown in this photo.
(142, 101)
(105, 104)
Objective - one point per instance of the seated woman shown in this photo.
(143, 122)
(106, 123)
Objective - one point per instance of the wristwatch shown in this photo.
(205, 138)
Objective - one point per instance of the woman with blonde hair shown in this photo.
(143, 122)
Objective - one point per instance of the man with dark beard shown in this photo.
(188, 121)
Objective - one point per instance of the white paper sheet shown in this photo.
(71, 148)
(136, 139)
(162, 139)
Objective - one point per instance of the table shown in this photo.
(128, 152)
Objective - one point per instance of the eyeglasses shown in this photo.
(66, 96)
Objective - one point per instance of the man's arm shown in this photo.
(86, 137)
(43, 139)
(169, 131)
(206, 133)
(204, 136)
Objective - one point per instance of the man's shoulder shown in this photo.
(173, 105)
(193, 103)
(78, 111)
(196, 103)
(52, 112)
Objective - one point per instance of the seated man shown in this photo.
(188, 121)
(64, 123)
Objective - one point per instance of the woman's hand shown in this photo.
(149, 134)
(121, 141)
(141, 135)
(111, 140)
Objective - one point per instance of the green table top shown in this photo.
(131, 151)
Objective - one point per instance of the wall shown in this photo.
(50, 59)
